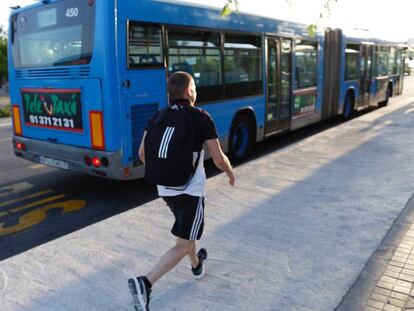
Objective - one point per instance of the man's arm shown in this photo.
(141, 152)
(220, 159)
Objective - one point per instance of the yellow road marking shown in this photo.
(47, 200)
(15, 188)
(33, 195)
(36, 216)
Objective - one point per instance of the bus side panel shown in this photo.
(223, 116)
(378, 90)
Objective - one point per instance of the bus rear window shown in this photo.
(57, 34)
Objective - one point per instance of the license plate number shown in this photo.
(54, 163)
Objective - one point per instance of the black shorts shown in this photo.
(189, 216)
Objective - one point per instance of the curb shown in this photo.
(359, 293)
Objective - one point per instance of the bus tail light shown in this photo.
(96, 162)
(20, 146)
(97, 131)
(16, 121)
(88, 160)
(104, 161)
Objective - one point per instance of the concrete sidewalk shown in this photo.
(294, 234)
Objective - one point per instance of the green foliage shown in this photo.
(5, 112)
(230, 7)
(312, 29)
(3, 55)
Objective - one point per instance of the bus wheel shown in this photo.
(241, 138)
(348, 107)
(387, 98)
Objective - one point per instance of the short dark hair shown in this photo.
(177, 84)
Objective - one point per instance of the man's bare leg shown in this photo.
(171, 258)
(193, 256)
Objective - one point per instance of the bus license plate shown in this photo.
(54, 163)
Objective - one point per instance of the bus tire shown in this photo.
(387, 97)
(241, 138)
(349, 108)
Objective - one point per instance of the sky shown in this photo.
(391, 20)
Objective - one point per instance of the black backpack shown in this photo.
(169, 148)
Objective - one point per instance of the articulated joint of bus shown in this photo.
(83, 160)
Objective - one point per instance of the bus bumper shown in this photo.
(72, 158)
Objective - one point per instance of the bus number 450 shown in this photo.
(72, 12)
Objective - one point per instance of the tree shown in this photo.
(3, 55)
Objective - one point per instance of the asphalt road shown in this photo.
(39, 204)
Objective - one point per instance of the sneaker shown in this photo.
(199, 271)
(140, 293)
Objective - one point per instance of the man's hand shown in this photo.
(141, 151)
(231, 177)
(220, 159)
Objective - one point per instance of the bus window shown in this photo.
(351, 62)
(381, 61)
(145, 46)
(242, 65)
(199, 54)
(306, 54)
(50, 36)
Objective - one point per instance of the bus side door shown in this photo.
(279, 84)
(365, 73)
(143, 76)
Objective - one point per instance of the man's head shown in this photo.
(181, 86)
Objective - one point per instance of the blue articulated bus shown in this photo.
(360, 72)
(86, 75)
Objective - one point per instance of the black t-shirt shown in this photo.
(203, 126)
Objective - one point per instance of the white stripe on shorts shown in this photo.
(197, 220)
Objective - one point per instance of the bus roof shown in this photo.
(189, 14)
(365, 36)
